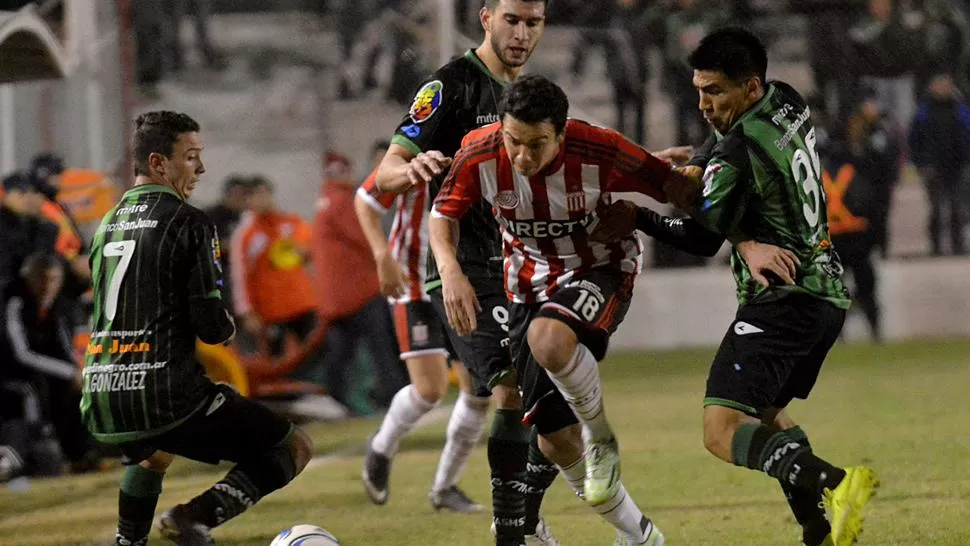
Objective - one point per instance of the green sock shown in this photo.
(137, 499)
(508, 447)
(806, 506)
(758, 447)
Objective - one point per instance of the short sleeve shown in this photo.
(205, 273)
(428, 114)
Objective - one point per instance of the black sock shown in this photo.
(778, 455)
(806, 506)
(539, 475)
(507, 451)
(244, 485)
(137, 499)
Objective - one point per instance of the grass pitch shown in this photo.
(898, 408)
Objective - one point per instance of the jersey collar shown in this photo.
(151, 188)
(470, 55)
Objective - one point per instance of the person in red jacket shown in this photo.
(348, 297)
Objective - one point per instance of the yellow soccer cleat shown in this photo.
(602, 472)
(845, 504)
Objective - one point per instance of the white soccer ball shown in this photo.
(305, 535)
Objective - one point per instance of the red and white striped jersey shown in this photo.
(546, 218)
(408, 240)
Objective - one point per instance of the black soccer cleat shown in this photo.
(177, 527)
(454, 499)
(376, 474)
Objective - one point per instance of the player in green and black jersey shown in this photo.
(759, 178)
(157, 288)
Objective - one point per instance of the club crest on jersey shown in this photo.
(709, 173)
(576, 201)
(420, 334)
(507, 199)
(426, 101)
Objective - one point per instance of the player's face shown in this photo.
(185, 166)
(46, 284)
(530, 146)
(723, 100)
(261, 199)
(514, 28)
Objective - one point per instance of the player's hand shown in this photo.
(616, 220)
(391, 276)
(677, 155)
(252, 324)
(426, 166)
(461, 304)
(682, 191)
(764, 258)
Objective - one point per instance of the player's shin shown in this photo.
(805, 505)
(406, 408)
(622, 512)
(780, 456)
(579, 383)
(540, 473)
(244, 485)
(465, 428)
(507, 453)
(137, 499)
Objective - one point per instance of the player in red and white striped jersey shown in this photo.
(546, 178)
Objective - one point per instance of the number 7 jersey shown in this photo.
(763, 178)
(152, 256)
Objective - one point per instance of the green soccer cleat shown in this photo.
(845, 504)
(827, 541)
(602, 472)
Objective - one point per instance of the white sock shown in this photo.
(579, 383)
(575, 474)
(465, 429)
(406, 408)
(624, 515)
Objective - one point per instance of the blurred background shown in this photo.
(295, 96)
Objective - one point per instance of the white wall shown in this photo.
(694, 307)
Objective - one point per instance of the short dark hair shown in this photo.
(735, 51)
(156, 133)
(492, 4)
(534, 99)
(260, 181)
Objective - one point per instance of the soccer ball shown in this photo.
(305, 535)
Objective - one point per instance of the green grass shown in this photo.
(898, 408)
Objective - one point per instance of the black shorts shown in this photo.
(485, 353)
(228, 427)
(593, 305)
(419, 330)
(773, 353)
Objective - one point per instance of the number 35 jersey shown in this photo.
(763, 178)
(151, 257)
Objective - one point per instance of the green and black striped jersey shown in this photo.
(763, 179)
(152, 257)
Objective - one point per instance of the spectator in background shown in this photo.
(348, 295)
(201, 12)
(940, 147)
(22, 230)
(271, 282)
(225, 216)
(684, 29)
(36, 351)
(946, 37)
(876, 146)
(151, 26)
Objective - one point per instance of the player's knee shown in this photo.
(301, 449)
(432, 390)
(552, 343)
(158, 462)
(506, 396)
(429, 377)
(720, 424)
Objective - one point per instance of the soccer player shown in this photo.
(546, 178)
(760, 175)
(157, 279)
(457, 98)
(424, 349)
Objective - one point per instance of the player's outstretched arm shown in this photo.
(620, 219)
(461, 303)
(401, 170)
(389, 272)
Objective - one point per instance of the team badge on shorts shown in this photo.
(419, 334)
(426, 101)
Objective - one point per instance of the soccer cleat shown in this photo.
(654, 536)
(542, 536)
(376, 474)
(175, 526)
(453, 499)
(846, 502)
(602, 472)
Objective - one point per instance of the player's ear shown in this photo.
(483, 17)
(156, 162)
